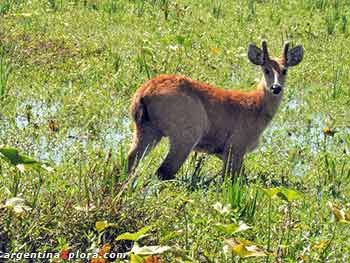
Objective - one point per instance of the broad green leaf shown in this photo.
(135, 259)
(221, 208)
(21, 161)
(231, 228)
(134, 236)
(101, 225)
(289, 195)
(149, 250)
(347, 215)
(270, 192)
(339, 214)
(13, 157)
(17, 204)
(320, 245)
(187, 200)
(283, 193)
(245, 248)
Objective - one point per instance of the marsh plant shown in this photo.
(68, 71)
(5, 72)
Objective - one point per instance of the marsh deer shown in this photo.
(199, 117)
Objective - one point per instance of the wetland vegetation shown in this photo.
(68, 70)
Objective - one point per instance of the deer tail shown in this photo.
(138, 110)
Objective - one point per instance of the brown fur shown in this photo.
(200, 117)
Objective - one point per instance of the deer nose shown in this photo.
(276, 88)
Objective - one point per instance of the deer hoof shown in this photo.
(164, 174)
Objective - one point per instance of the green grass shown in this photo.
(68, 70)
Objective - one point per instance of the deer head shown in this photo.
(275, 70)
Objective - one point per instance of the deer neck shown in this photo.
(269, 102)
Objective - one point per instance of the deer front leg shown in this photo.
(232, 162)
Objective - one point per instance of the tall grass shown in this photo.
(89, 57)
(241, 198)
(5, 72)
(5, 6)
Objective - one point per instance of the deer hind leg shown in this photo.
(177, 155)
(144, 140)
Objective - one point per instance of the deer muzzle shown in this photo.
(276, 89)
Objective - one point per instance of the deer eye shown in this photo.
(284, 71)
(267, 71)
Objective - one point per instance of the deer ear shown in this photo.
(294, 56)
(255, 55)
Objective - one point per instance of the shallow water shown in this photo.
(306, 135)
(37, 111)
(57, 147)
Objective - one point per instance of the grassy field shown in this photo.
(68, 70)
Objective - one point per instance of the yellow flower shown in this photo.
(215, 50)
(328, 131)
